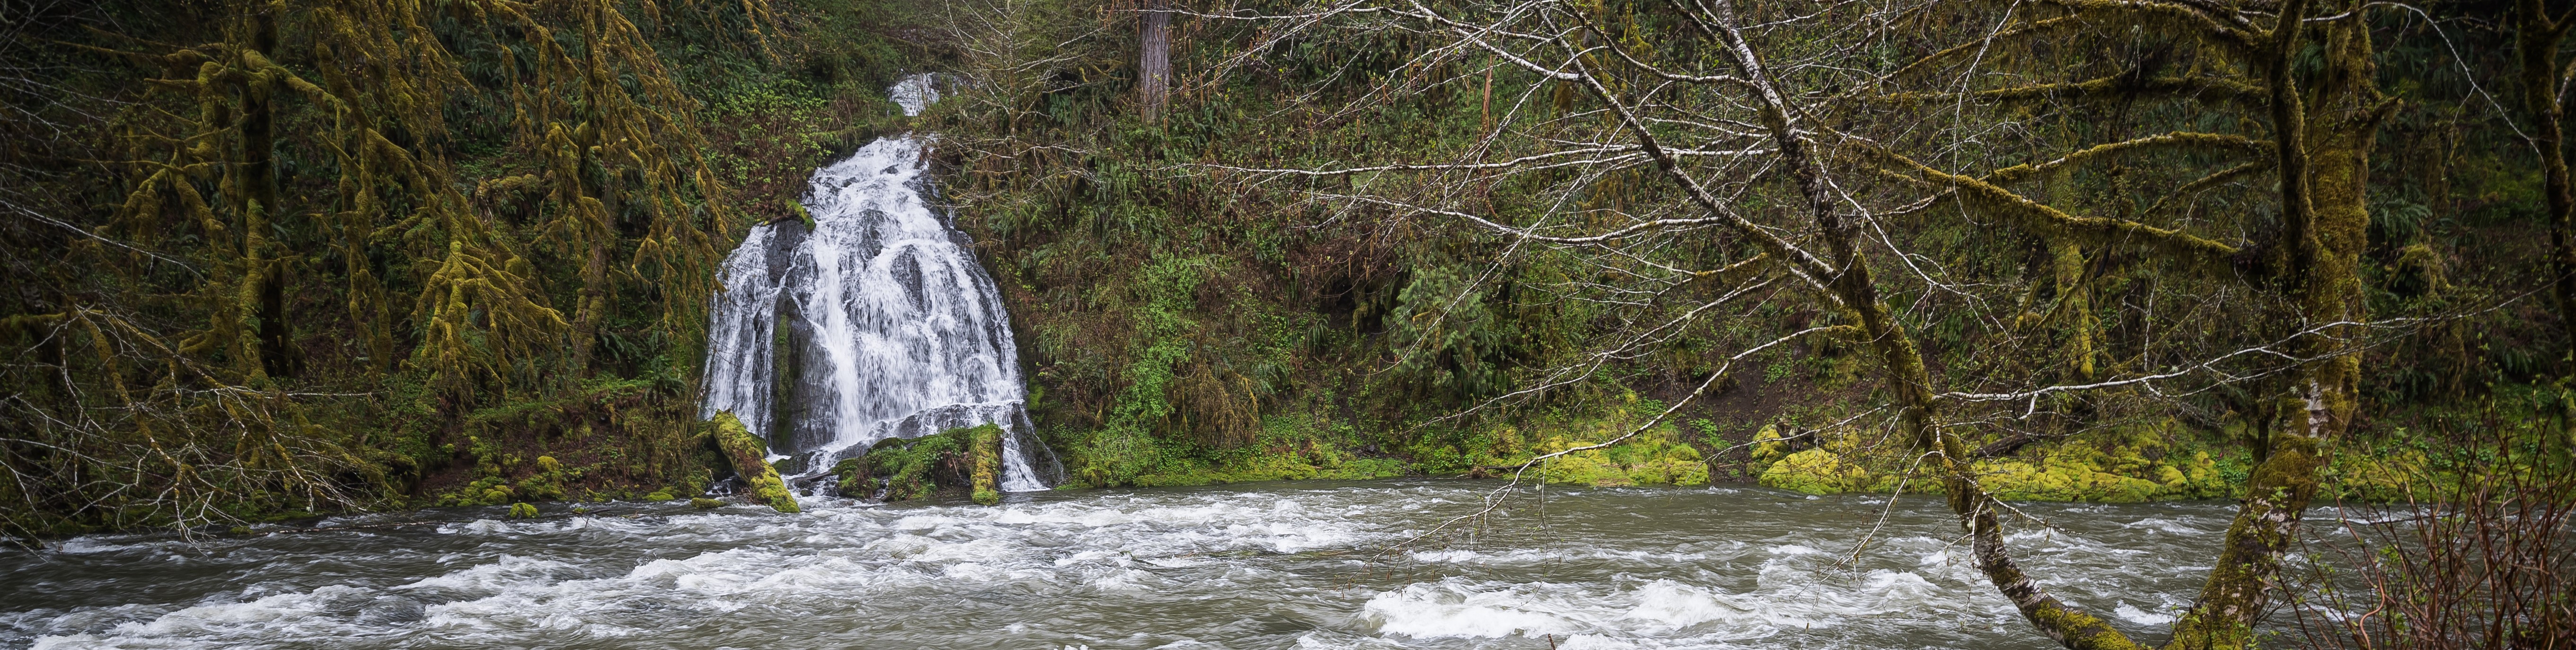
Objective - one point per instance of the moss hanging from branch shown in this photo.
(303, 284)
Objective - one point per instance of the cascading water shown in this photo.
(876, 322)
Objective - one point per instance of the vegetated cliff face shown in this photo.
(471, 272)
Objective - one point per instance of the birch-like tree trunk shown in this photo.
(1154, 58)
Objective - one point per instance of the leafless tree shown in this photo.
(1822, 150)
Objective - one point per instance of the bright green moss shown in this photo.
(1654, 458)
(486, 491)
(750, 461)
(987, 447)
(2055, 480)
(1768, 448)
(1582, 468)
(1816, 471)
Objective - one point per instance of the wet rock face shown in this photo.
(876, 322)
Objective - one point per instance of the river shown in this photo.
(1271, 565)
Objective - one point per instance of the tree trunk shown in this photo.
(1485, 107)
(2074, 299)
(593, 305)
(2537, 37)
(2324, 227)
(1908, 377)
(262, 292)
(1154, 62)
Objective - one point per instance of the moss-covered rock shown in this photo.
(986, 444)
(2054, 479)
(486, 491)
(965, 460)
(1582, 468)
(2117, 466)
(1817, 471)
(1654, 458)
(547, 483)
(851, 476)
(523, 511)
(749, 457)
(1767, 449)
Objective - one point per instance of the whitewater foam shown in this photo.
(1266, 568)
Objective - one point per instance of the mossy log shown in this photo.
(750, 459)
(987, 448)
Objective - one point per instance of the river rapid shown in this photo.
(1273, 565)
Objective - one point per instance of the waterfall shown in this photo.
(875, 323)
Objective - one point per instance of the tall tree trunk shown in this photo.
(2324, 160)
(2074, 306)
(593, 305)
(2537, 37)
(262, 292)
(1485, 106)
(1154, 61)
(593, 211)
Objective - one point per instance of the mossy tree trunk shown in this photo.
(2323, 156)
(264, 268)
(2538, 36)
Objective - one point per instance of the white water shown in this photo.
(1282, 566)
(891, 328)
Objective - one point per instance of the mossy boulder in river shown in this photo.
(965, 460)
(986, 443)
(750, 459)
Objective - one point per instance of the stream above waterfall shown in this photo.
(1275, 565)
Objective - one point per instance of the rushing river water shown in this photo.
(1279, 565)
